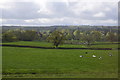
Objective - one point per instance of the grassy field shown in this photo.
(46, 44)
(57, 63)
(31, 43)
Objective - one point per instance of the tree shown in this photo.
(116, 36)
(56, 37)
(69, 36)
(18, 33)
(97, 35)
(68, 33)
(77, 34)
(110, 36)
(29, 35)
(9, 36)
(87, 38)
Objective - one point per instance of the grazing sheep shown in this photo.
(110, 54)
(93, 56)
(81, 56)
(100, 57)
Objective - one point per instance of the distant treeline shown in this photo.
(82, 35)
(71, 27)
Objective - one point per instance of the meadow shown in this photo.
(46, 44)
(59, 63)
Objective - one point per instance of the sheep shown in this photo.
(81, 55)
(100, 57)
(93, 56)
(110, 54)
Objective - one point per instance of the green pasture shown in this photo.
(46, 44)
(58, 63)
(31, 43)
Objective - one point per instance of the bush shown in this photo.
(9, 37)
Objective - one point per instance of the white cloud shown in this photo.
(39, 20)
(6, 5)
(2, 20)
(109, 21)
(29, 21)
(93, 0)
(63, 12)
(82, 6)
(107, 9)
(44, 20)
(45, 10)
(100, 14)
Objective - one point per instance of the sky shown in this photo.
(59, 12)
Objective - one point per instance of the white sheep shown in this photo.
(110, 54)
(93, 56)
(81, 56)
(100, 57)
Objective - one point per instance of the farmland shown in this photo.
(46, 44)
(58, 63)
(59, 39)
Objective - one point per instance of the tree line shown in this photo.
(60, 36)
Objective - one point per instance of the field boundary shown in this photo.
(55, 48)
(77, 43)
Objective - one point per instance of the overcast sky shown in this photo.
(59, 12)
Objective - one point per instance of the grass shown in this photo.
(54, 63)
(46, 44)
(31, 43)
(92, 46)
